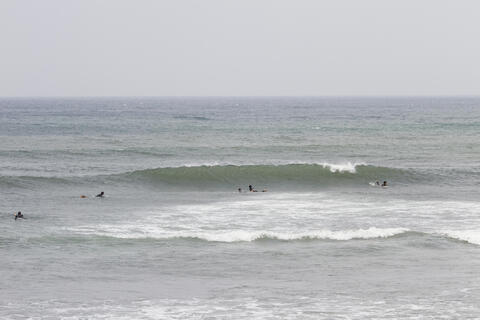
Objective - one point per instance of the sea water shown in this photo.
(173, 238)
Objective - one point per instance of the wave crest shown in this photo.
(470, 236)
(239, 235)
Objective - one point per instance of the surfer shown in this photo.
(240, 190)
(377, 183)
(250, 188)
(19, 215)
(384, 184)
(100, 195)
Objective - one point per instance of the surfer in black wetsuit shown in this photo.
(250, 188)
(240, 190)
(19, 215)
(384, 184)
(100, 195)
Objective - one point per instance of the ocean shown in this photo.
(173, 238)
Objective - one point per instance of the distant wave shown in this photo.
(29, 182)
(207, 177)
(191, 117)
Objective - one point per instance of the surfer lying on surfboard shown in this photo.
(253, 190)
(100, 195)
(19, 215)
(377, 184)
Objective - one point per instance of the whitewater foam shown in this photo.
(126, 232)
(345, 167)
(470, 236)
(302, 307)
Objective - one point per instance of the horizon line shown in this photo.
(244, 96)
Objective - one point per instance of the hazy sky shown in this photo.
(243, 47)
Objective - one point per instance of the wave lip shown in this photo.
(470, 236)
(346, 167)
(239, 235)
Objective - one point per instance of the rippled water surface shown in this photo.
(174, 238)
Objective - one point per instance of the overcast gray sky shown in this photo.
(243, 47)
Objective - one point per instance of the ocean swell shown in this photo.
(267, 176)
(226, 177)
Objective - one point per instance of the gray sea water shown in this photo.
(174, 239)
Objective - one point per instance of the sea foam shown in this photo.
(127, 232)
(470, 236)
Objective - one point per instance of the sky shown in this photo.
(239, 48)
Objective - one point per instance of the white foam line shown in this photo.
(470, 236)
(346, 167)
(236, 235)
(334, 167)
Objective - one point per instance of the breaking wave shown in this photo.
(470, 236)
(205, 177)
(152, 233)
(149, 232)
(311, 175)
(125, 232)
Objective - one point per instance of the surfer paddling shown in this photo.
(378, 184)
(19, 215)
(251, 189)
(100, 195)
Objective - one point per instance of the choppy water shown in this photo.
(174, 239)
